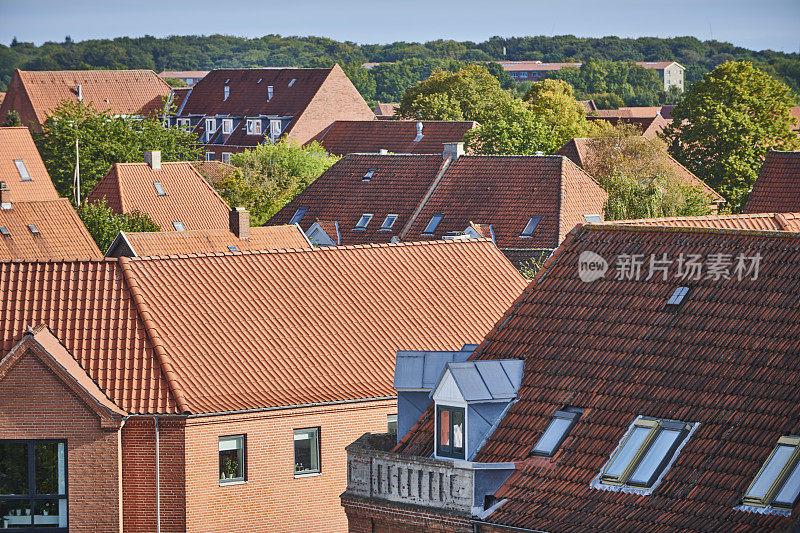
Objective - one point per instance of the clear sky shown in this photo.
(756, 24)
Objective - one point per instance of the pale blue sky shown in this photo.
(756, 24)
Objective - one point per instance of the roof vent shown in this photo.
(80, 93)
(292, 82)
(5, 196)
(453, 150)
(418, 138)
(270, 92)
(153, 159)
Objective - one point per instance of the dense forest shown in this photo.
(406, 63)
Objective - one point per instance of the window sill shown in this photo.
(226, 483)
(309, 474)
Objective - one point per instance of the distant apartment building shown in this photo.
(189, 77)
(671, 72)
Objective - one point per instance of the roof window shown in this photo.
(178, 226)
(292, 82)
(389, 221)
(558, 429)
(159, 188)
(433, 224)
(270, 92)
(4, 231)
(368, 175)
(645, 453)
(227, 92)
(778, 482)
(22, 169)
(592, 219)
(678, 295)
(232, 248)
(363, 222)
(298, 215)
(527, 231)
(33, 229)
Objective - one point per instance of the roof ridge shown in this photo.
(155, 340)
(613, 226)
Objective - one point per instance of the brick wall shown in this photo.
(371, 517)
(272, 499)
(35, 403)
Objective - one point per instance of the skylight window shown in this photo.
(33, 229)
(22, 169)
(4, 231)
(678, 295)
(592, 219)
(527, 231)
(159, 188)
(363, 222)
(232, 248)
(298, 215)
(778, 482)
(645, 453)
(178, 226)
(292, 82)
(433, 224)
(270, 92)
(389, 221)
(556, 431)
(368, 175)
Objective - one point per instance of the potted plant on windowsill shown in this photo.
(230, 468)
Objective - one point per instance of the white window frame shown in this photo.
(227, 126)
(297, 434)
(211, 156)
(183, 122)
(211, 128)
(368, 217)
(226, 157)
(254, 126)
(275, 130)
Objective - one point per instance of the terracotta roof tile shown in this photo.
(649, 127)
(753, 222)
(145, 244)
(397, 136)
(725, 358)
(61, 234)
(16, 143)
(212, 171)
(385, 110)
(777, 188)
(182, 73)
(189, 198)
(122, 92)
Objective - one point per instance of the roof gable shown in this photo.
(777, 188)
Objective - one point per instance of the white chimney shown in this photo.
(80, 93)
(153, 159)
(453, 150)
(418, 138)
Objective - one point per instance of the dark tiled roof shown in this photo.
(777, 188)
(726, 358)
(755, 222)
(396, 136)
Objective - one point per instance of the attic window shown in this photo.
(678, 295)
(645, 453)
(389, 222)
(33, 229)
(778, 482)
(592, 219)
(556, 431)
(270, 92)
(298, 215)
(22, 169)
(232, 248)
(178, 226)
(368, 175)
(450, 431)
(433, 224)
(530, 226)
(4, 231)
(159, 188)
(292, 82)
(363, 222)
(227, 92)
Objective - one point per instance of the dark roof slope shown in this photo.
(777, 188)
(396, 136)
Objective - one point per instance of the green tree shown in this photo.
(513, 129)
(104, 225)
(269, 176)
(103, 140)
(176, 82)
(726, 123)
(12, 119)
(553, 103)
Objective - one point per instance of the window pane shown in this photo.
(15, 514)
(776, 463)
(433, 224)
(530, 226)
(552, 436)
(458, 429)
(298, 215)
(48, 513)
(231, 457)
(23, 171)
(13, 468)
(652, 460)
(391, 424)
(629, 449)
(444, 428)
(790, 490)
(46, 464)
(306, 451)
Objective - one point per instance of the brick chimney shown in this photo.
(453, 150)
(153, 159)
(5, 196)
(239, 219)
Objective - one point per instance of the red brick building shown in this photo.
(217, 392)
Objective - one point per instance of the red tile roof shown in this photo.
(16, 143)
(637, 112)
(212, 171)
(33, 94)
(513, 66)
(154, 338)
(582, 151)
(61, 234)
(506, 191)
(726, 358)
(649, 127)
(178, 97)
(777, 188)
(397, 136)
(341, 195)
(183, 73)
(754, 222)
(385, 110)
(164, 243)
(189, 198)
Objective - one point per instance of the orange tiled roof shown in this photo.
(777, 188)
(649, 127)
(583, 150)
(62, 234)
(206, 241)
(154, 338)
(397, 136)
(753, 222)
(726, 358)
(385, 110)
(189, 198)
(182, 73)
(212, 171)
(513, 66)
(16, 143)
(122, 92)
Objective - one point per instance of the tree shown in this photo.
(513, 129)
(104, 225)
(726, 124)
(176, 82)
(639, 179)
(553, 103)
(103, 140)
(269, 176)
(12, 119)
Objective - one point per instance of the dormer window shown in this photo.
(22, 169)
(227, 126)
(557, 430)
(211, 127)
(364, 221)
(433, 224)
(450, 431)
(274, 129)
(529, 228)
(253, 126)
(777, 484)
(183, 122)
